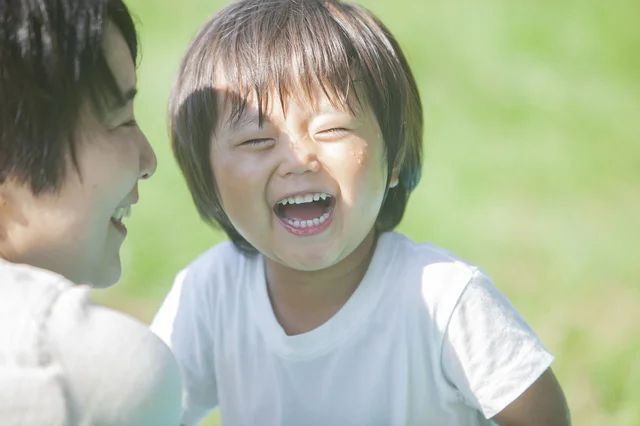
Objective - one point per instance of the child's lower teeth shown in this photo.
(307, 223)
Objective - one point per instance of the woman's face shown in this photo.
(77, 232)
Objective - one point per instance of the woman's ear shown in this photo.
(11, 210)
(393, 182)
(3, 214)
(8, 207)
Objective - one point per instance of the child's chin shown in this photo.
(310, 261)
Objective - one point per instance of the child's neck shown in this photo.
(304, 300)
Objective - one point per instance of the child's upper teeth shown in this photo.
(307, 198)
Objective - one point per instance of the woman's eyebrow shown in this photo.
(128, 96)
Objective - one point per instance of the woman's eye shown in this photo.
(130, 123)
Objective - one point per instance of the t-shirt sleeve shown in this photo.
(116, 371)
(490, 354)
(184, 324)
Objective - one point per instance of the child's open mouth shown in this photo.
(306, 214)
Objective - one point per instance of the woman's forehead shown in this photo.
(118, 57)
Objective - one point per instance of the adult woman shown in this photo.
(71, 155)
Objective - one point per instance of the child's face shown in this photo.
(72, 231)
(306, 188)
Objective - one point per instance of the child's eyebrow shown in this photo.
(243, 121)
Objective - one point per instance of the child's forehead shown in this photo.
(236, 104)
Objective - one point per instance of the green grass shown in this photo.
(532, 171)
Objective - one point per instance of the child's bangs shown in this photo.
(307, 52)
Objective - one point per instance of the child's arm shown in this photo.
(497, 364)
(542, 404)
(184, 324)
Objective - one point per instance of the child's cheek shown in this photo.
(369, 168)
(229, 164)
(360, 155)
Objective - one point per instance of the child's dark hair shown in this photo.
(287, 47)
(51, 62)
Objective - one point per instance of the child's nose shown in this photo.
(299, 158)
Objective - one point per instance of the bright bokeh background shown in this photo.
(532, 171)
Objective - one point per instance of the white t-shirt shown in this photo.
(67, 362)
(425, 339)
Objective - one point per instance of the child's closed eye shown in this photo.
(258, 143)
(336, 130)
(333, 133)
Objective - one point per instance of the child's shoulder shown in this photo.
(221, 263)
(428, 272)
(414, 254)
(216, 255)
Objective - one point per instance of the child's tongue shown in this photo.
(304, 211)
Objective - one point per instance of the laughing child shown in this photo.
(298, 127)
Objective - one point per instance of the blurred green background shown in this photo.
(532, 171)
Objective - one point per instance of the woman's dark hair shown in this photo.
(51, 62)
